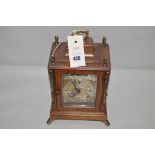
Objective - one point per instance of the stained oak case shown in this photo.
(79, 93)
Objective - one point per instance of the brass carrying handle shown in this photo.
(84, 33)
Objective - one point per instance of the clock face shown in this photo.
(79, 90)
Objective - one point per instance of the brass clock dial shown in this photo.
(79, 90)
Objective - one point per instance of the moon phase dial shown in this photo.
(79, 90)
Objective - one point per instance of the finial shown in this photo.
(104, 41)
(52, 60)
(56, 39)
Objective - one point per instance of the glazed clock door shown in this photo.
(79, 89)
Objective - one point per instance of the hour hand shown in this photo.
(76, 86)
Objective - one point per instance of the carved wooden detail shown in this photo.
(51, 81)
(105, 86)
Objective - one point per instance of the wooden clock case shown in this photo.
(97, 58)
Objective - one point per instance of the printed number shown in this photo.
(76, 58)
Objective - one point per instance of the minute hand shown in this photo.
(76, 87)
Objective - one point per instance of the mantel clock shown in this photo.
(79, 93)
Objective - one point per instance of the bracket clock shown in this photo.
(79, 93)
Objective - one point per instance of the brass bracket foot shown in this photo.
(49, 121)
(107, 123)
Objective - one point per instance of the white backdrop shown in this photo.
(131, 47)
